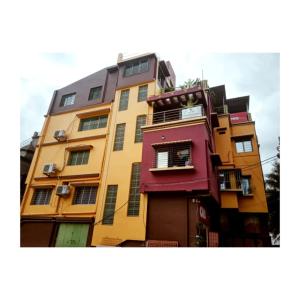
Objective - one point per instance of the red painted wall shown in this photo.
(239, 117)
(176, 180)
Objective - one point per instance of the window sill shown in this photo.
(171, 169)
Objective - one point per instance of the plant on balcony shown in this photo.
(191, 83)
(190, 103)
(168, 89)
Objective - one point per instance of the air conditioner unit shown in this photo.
(60, 135)
(49, 169)
(63, 190)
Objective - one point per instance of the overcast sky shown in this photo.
(253, 74)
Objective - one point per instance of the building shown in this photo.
(26, 154)
(126, 159)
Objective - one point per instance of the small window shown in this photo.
(134, 191)
(176, 155)
(119, 137)
(143, 93)
(93, 123)
(95, 93)
(67, 99)
(245, 183)
(110, 203)
(41, 196)
(140, 121)
(243, 146)
(78, 157)
(85, 195)
(123, 105)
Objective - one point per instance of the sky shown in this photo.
(253, 74)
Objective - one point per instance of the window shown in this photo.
(136, 67)
(41, 196)
(110, 203)
(143, 93)
(230, 179)
(95, 93)
(140, 121)
(119, 137)
(67, 99)
(176, 155)
(245, 183)
(134, 191)
(93, 123)
(85, 195)
(123, 105)
(78, 157)
(243, 146)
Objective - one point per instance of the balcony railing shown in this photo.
(176, 114)
(233, 180)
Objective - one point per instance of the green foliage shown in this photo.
(191, 83)
(273, 196)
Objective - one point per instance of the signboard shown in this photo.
(191, 112)
(203, 214)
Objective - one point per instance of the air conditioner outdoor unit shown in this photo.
(49, 169)
(63, 190)
(60, 135)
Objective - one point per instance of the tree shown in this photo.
(273, 196)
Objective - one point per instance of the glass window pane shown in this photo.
(239, 147)
(247, 146)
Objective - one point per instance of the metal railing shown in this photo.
(233, 180)
(174, 155)
(230, 180)
(176, 114)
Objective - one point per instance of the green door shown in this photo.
(72, 235)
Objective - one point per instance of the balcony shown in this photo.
(232, 180)
(176, 115)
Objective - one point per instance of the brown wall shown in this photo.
(137, 78)
(82, 88)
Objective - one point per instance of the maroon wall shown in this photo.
(82, 87)
(179, 180)
(137, 78)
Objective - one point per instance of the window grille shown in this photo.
(67, 99)
(175, 155)
(123, 105)
(230, 179)
(143, 93)
(95, 93)
(119, 137)
(110, 203)
(140, 121)
(78, 157)
(85, 195)
(41, 196)
(93, 123)
(134, 191)
(136, 67)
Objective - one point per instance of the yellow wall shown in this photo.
(225, 146)
(118, 165)
(52, 151)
